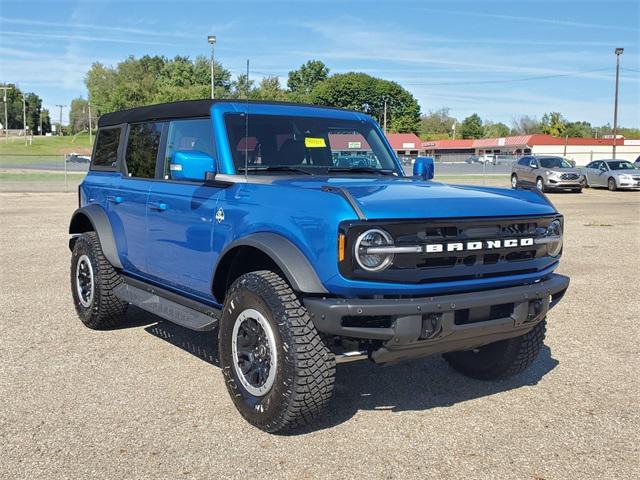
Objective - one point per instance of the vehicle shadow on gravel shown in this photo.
(415, 385)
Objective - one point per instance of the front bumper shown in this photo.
(416, 327)
(553, 183)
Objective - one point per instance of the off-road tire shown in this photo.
(305, 367)
(105, 310)
(612, 185)
(502, 359)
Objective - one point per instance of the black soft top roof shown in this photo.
(184, 109)
(189, 108)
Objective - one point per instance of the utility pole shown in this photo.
(6, 119)
(385, 116)
(24, 119)
(60, 124)
(453, 127)
(618, 52)
(90, 128)
(212, 40)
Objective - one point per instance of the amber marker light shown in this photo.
(340, 247)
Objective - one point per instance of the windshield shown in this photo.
(307, 145)
(554, 162)
(621, 166)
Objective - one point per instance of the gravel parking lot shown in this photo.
(148, 400)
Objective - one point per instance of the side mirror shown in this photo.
(191, 165)
(424, 168)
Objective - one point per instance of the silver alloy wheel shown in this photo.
(85, 284)
(539, 184)
(254, 353)
(514, 181)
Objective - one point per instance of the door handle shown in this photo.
(160, 206)
(116, 199)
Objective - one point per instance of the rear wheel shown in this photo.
(514, 181)
(93, 279)
(277, 370)
(540, 184)
(612, 185)
(500, 359)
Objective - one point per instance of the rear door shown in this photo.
(127, 204)
(181, 214)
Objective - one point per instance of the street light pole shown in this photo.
(212, 40)
(618, 52)
(90, 127)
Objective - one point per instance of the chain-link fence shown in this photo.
(65, 172)
(35, 173)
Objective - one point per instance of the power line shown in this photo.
(525, 79)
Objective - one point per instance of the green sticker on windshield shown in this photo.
(311, 142)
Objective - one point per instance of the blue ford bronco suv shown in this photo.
(294, 231)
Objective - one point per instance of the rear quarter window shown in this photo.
(105, 156)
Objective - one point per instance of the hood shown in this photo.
(627, 171)
(406, 197)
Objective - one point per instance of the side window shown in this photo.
(106, 153)
(533, 163)
(194, 136)
(524, 161)
(142, 149)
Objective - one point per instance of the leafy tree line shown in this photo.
(155, 79)
(439, 125)
(15, 110)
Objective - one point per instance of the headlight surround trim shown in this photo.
(386, 259)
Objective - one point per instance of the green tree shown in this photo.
(46, 121)
(303, 80)
(437, 124)
(79, 115)
(471, 127)
(579, 129)
(525, 125)
(495, 130)
(242, 87)
(15, 109)
(554, 124)
(270, 89)
(367, 94)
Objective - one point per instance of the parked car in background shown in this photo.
(473, 159)
(546, 174)
(637, 162)
(78, 158)
(613, 174)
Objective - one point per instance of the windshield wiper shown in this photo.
(275, 168)
(381, 171)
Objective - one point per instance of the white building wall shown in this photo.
(583, 154)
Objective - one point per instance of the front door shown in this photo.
(181, 215)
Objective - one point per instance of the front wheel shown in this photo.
(540, 185)
(501, 359)
(612, 185)
(514, 181)
(277, 370)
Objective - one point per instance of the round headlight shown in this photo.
(554, 234)
(370, 240)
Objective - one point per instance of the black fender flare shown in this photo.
(99, 220)
(289, 259)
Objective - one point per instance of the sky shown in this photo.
(499, 59)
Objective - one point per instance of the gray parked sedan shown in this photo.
(546, 173)
(613, 174)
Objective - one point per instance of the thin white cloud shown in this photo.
(92, 27)
(86, 38)
(538, 20)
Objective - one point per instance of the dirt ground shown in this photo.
(148, 400)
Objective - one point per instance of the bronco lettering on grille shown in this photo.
(478, 245)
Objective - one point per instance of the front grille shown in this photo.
(420, 268)
(569, 176)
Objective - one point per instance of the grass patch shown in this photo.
(45, 146)
(38, 176)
